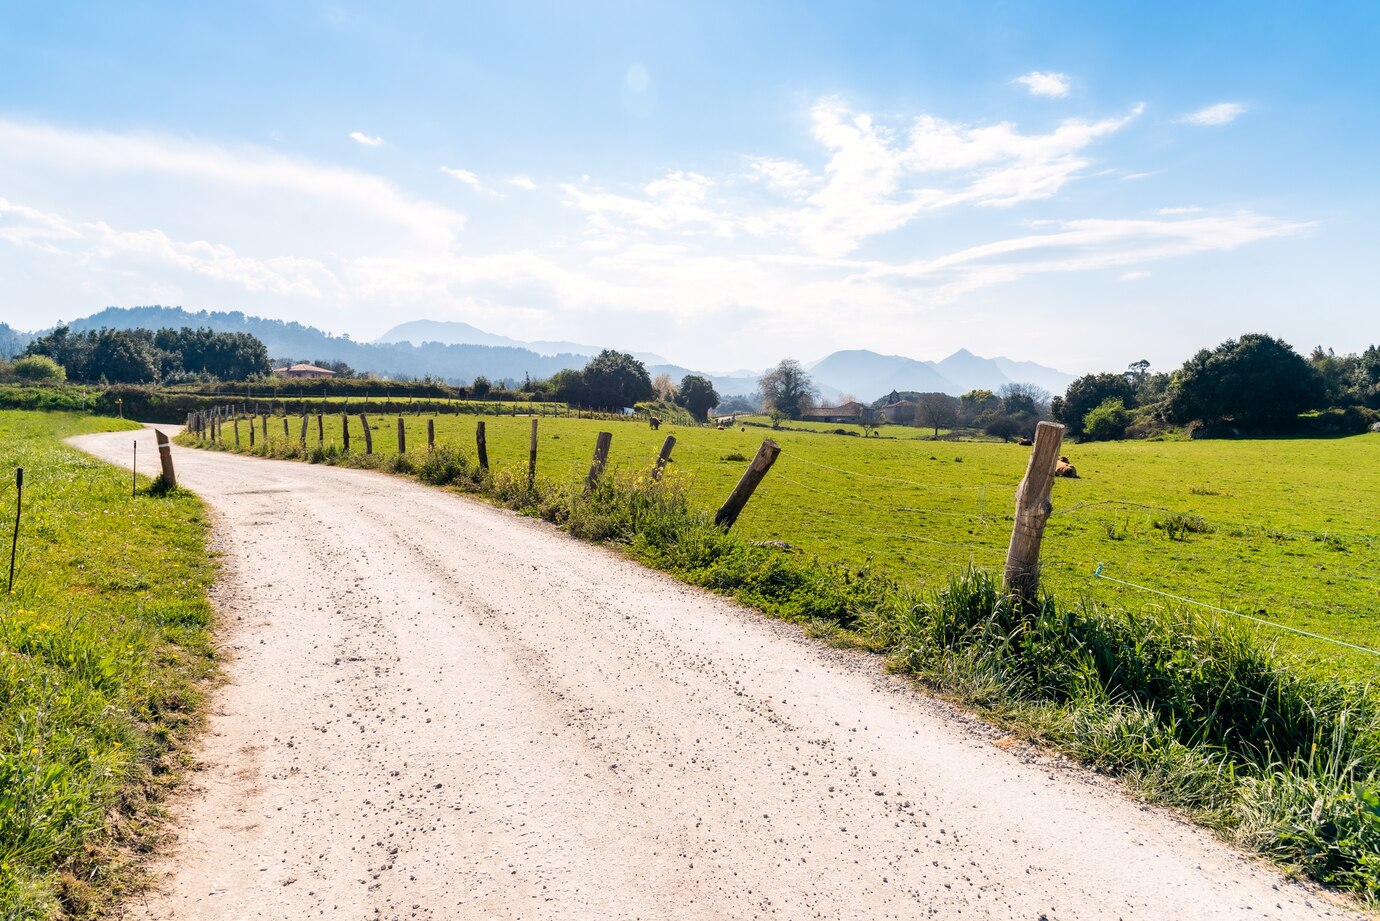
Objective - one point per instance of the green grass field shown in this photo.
(1283, 530)
(102, 645)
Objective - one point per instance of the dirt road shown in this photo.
(439, 710)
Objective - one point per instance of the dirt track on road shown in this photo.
(437, 709)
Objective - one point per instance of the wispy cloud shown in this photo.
(366, 139)
(1218, 114)
(1181, 209)
(1041, 83)
(469, 179)
(1132, 276)
(522, 182)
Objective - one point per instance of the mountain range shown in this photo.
(459, 352)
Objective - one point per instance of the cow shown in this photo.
(1064, 468)
(1024, 442)
(654, 422)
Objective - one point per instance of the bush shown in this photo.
(38, 369)
(1107, 421)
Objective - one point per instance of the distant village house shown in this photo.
(303, 370)
(848, 412)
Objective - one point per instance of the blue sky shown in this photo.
(725, 184)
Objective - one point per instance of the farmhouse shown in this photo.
(901, 412)
(848, 412)
(303, 370)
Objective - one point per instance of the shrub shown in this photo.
(38, 369)
(1107, 421)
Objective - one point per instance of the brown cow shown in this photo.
(1064, 468)
(1024, 442)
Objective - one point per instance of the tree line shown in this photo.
(142, 356)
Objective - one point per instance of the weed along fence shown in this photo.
(1176, 518)
(319, 436)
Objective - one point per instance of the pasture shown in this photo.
(1283, 530)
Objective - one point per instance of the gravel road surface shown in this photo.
(436, 709)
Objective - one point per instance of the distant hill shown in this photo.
(455, 333)
(458, 364)
(868, 375)
(12, 341)
(459, 352)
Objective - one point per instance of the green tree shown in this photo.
(616, 379)
(1107, 421)
(481, 387)
(974, 403)
(787, 391)
(937, 410)
(1089, 392)
(38, 369)
(1257, 382)
(697, 394)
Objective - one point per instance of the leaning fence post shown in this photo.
(345, 431)
(532, 457)
(482, 445)
(304, 429)
(402, 437)
(1022, 575)
(601, 456)
(18, 511)
(165, 458)
(368, 434)
(733, 507)
(664, 457)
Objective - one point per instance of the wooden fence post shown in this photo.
(237, 432)
(251, 432)
(402, 437)
(431, 434)
(482, 445)
(368, 434)
(345, 431)
(601, 456)
(320, 428)
(265, 419)
(532, 456)
(733, 507)
(286, 434)
(305, 418)
(165, 458)
(664, 457)
(1022, 575)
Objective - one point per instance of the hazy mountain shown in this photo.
(456, 333)
(868, 375)
(458, 364)
(459, 352)
(12, 341)
(1056, 382)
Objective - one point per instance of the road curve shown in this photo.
(437, 709)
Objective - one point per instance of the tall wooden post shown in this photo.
(320, 428)
(368, 434)
(431, 434)
(251, 432)
(237, 431)
(1022, 576)
(532, 456)
(265, 419)
(482, 445)
(305, 418)
(601, 456)
(345, 431)
(664, 457)
(286, 434)
(165, 458)
(733, 507)
(402, 437)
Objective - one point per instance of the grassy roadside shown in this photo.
(1186, 710)
(103, 645)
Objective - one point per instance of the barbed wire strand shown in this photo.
(1097, 574)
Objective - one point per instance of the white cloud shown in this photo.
(365, 139)
(1182, 209)
(469, 179)
(1048, 84)
(1218, 114)
(1132, 276)
(522, 182)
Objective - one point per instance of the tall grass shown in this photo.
(102, 645)
(1188, 710)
